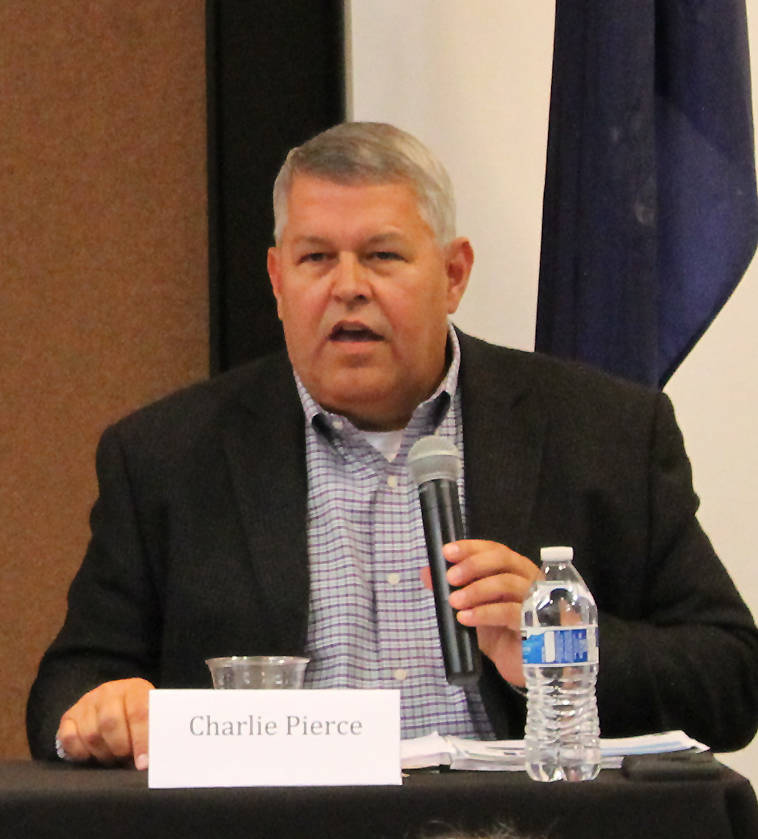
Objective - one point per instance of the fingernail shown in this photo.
(140, 762)
(465, 616)
(451, 551)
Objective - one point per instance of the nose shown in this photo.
(350, 284)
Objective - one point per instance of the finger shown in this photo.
(489, 558)
(504, 615)
(498, 588)
(136, 704)
(112, 725)
(466, 548)
(463, 548)
(70, 742)
(84, 717)
(92, 734)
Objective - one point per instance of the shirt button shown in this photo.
(393, 578)
(400, 675)
(392, 481)
(338, 425)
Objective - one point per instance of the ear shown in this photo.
(459, 259)
(273, 263)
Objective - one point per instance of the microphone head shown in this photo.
(434, 458)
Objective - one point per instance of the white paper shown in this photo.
(499, 755)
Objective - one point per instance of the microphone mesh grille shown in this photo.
(433, 458)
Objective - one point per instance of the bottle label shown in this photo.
(577, 645)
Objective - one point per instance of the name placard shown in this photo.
(242, 738)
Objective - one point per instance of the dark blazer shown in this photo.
(199, 541)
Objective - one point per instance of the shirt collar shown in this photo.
(435, 406)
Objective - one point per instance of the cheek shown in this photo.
(302, 318)
(298, 306)
(422, 313)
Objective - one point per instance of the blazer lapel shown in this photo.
(503, 432)
(265, 449)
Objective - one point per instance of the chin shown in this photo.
(358, 401)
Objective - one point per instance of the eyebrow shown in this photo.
(317, 241)
(381, 238)
(372, 241)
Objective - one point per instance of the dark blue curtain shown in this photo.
(650, 210)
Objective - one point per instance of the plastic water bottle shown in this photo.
(560, 655)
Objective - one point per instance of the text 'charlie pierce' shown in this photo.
(206, 725)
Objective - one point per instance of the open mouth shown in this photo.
(353, 332)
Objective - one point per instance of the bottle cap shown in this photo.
(556, 553)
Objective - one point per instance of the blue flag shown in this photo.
(650, 212)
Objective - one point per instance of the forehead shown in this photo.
(317, 206)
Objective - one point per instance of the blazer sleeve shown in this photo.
(689, 658)
(112, 627)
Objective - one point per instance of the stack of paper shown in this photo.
(459, 753)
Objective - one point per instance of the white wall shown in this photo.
(471, 78)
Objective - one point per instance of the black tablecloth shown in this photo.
(55, 800)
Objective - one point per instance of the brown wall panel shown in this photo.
(103, 275)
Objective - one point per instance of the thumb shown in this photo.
(426, 577)
(136, 704)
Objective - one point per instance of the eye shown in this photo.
(315, 256)
(385, 256)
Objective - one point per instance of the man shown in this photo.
(266, 512)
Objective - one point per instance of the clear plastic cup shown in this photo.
(257, 672)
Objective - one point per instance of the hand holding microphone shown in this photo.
(491, 580)
(435, 465)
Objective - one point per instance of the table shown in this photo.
(41, 800)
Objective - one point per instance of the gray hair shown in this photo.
(371, 153)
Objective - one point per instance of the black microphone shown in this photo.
(435, 464)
